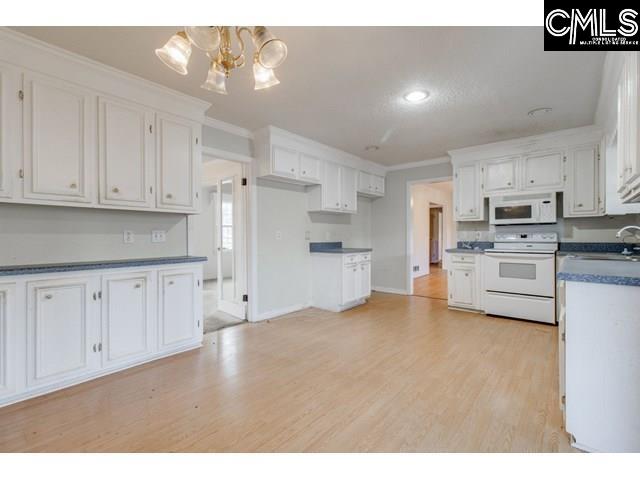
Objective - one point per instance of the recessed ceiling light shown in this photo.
(416, 96)
(372, 148)
(539, 112)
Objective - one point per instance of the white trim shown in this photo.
(6, 34)
(217, 153)
(409, 225)
(227, 127)
(422, 163)
(395, 291)
(278, 312)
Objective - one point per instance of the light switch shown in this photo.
(128, 236)
(158, 236)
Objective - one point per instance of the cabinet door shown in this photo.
(462, 285)
(8, 343)
(378, 184)
(59, 140)
(331, 189)
(349, 187)
(125, 136)
(543, 171)
(309, 168)
(127, 326)
(365, 182)
(180, 321)
(469, 203)
(499, 175)
(582, 197)
(285, 161)
(62, 329)
(10, 132)
(350, 280)
(177, 163)
(364, 284)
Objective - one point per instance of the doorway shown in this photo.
(431, 231)
(220, 235)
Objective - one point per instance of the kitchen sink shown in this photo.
(614, 257)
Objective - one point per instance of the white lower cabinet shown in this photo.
(464, 281)
(61, 329)
(340, 281)
(128, 329)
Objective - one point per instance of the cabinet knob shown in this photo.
(73, 185)
(293, 169)
(48, 296)
(304, 172)
(170, 282)
(337, 204)
(466, 274)
(115, 190)
(137, 285)
(509, 184)
(532, 181)
(345, 205)
(580, 205)
(169, 195)
(95, 348)
(354, 269)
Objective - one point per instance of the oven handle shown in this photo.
(525, 256)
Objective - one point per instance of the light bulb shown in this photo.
(264, 77)
(176, 53)
(216, 79)
(271, 50)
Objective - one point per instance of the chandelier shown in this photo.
(270, 52)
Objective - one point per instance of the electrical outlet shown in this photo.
(307, 235)
(278, 235)
(128, 236)
(158, 236)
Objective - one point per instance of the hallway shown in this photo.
(433, 285)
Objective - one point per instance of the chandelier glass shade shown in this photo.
(270, 53)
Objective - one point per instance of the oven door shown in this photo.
(514, 214)
(523, 273)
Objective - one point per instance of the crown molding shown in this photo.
(421, 163)
(228, 127)
(225, 155)
(9, 35)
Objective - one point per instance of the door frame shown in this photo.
(250, 223)
(409, 224)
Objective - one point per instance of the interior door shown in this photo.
(232, 252)
(125, 136)
(59, 139)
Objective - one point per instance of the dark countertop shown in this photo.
(99, 265)
(334, 247)
(605, 271)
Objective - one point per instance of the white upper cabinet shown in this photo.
(126, 153)
(63, 342)
(127, 319)
(584, 194)
(177, 163)
(469, 202)
(331, 187)
(499, 175)
(285, 161)
(59, 140)
(9, 127)
(370, 185)
(628, 135)
(543, 171)
(349, 186)
(309, 169)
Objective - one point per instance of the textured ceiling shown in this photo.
(343, 86)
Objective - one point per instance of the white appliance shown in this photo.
(522, 209)
(519, 276)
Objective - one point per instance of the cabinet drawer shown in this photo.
(365, 257)
(350, 259)
(463, 258)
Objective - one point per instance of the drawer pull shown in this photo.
(48, 296)
(73, 185)
(170, 282)
(169, 195)
(115, 190)
(137, 285)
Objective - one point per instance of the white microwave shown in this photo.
(522, 209)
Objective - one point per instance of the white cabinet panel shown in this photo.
(350, 280)
(365, 182)
(331, 190)
(126, 153)
(499, 175)
(462, 285)
(543, 171)
(628, 133)
(61, 329)
(8, 343)
(59, 140)
(469, 203)
(177, 163)
(285, 161)
(349, 187)
(10, 132)
(309, 168)
(178, 308)
(583, 197)
(364, 284)
(127, 317)
(378, 184)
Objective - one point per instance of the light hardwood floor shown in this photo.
(398, 374)
(433, 285)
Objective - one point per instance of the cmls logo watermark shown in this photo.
(581, 28)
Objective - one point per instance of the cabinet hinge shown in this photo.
(196, 140)
(564, 158)
(20, 95)
(150, 128)
(21, 173)
(100, 295)
(245, 298)
(150, 189)
(244, 182)
(197, 195)
(564, 399)
(563, 337)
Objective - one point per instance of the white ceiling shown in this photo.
(343, 86)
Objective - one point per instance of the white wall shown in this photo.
(32, 234)
(423, 195)
(389, 226)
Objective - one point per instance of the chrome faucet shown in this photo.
(624, 229)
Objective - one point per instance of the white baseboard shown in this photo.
(395, 291)
(278, 312)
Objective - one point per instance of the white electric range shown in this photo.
(519, 276)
